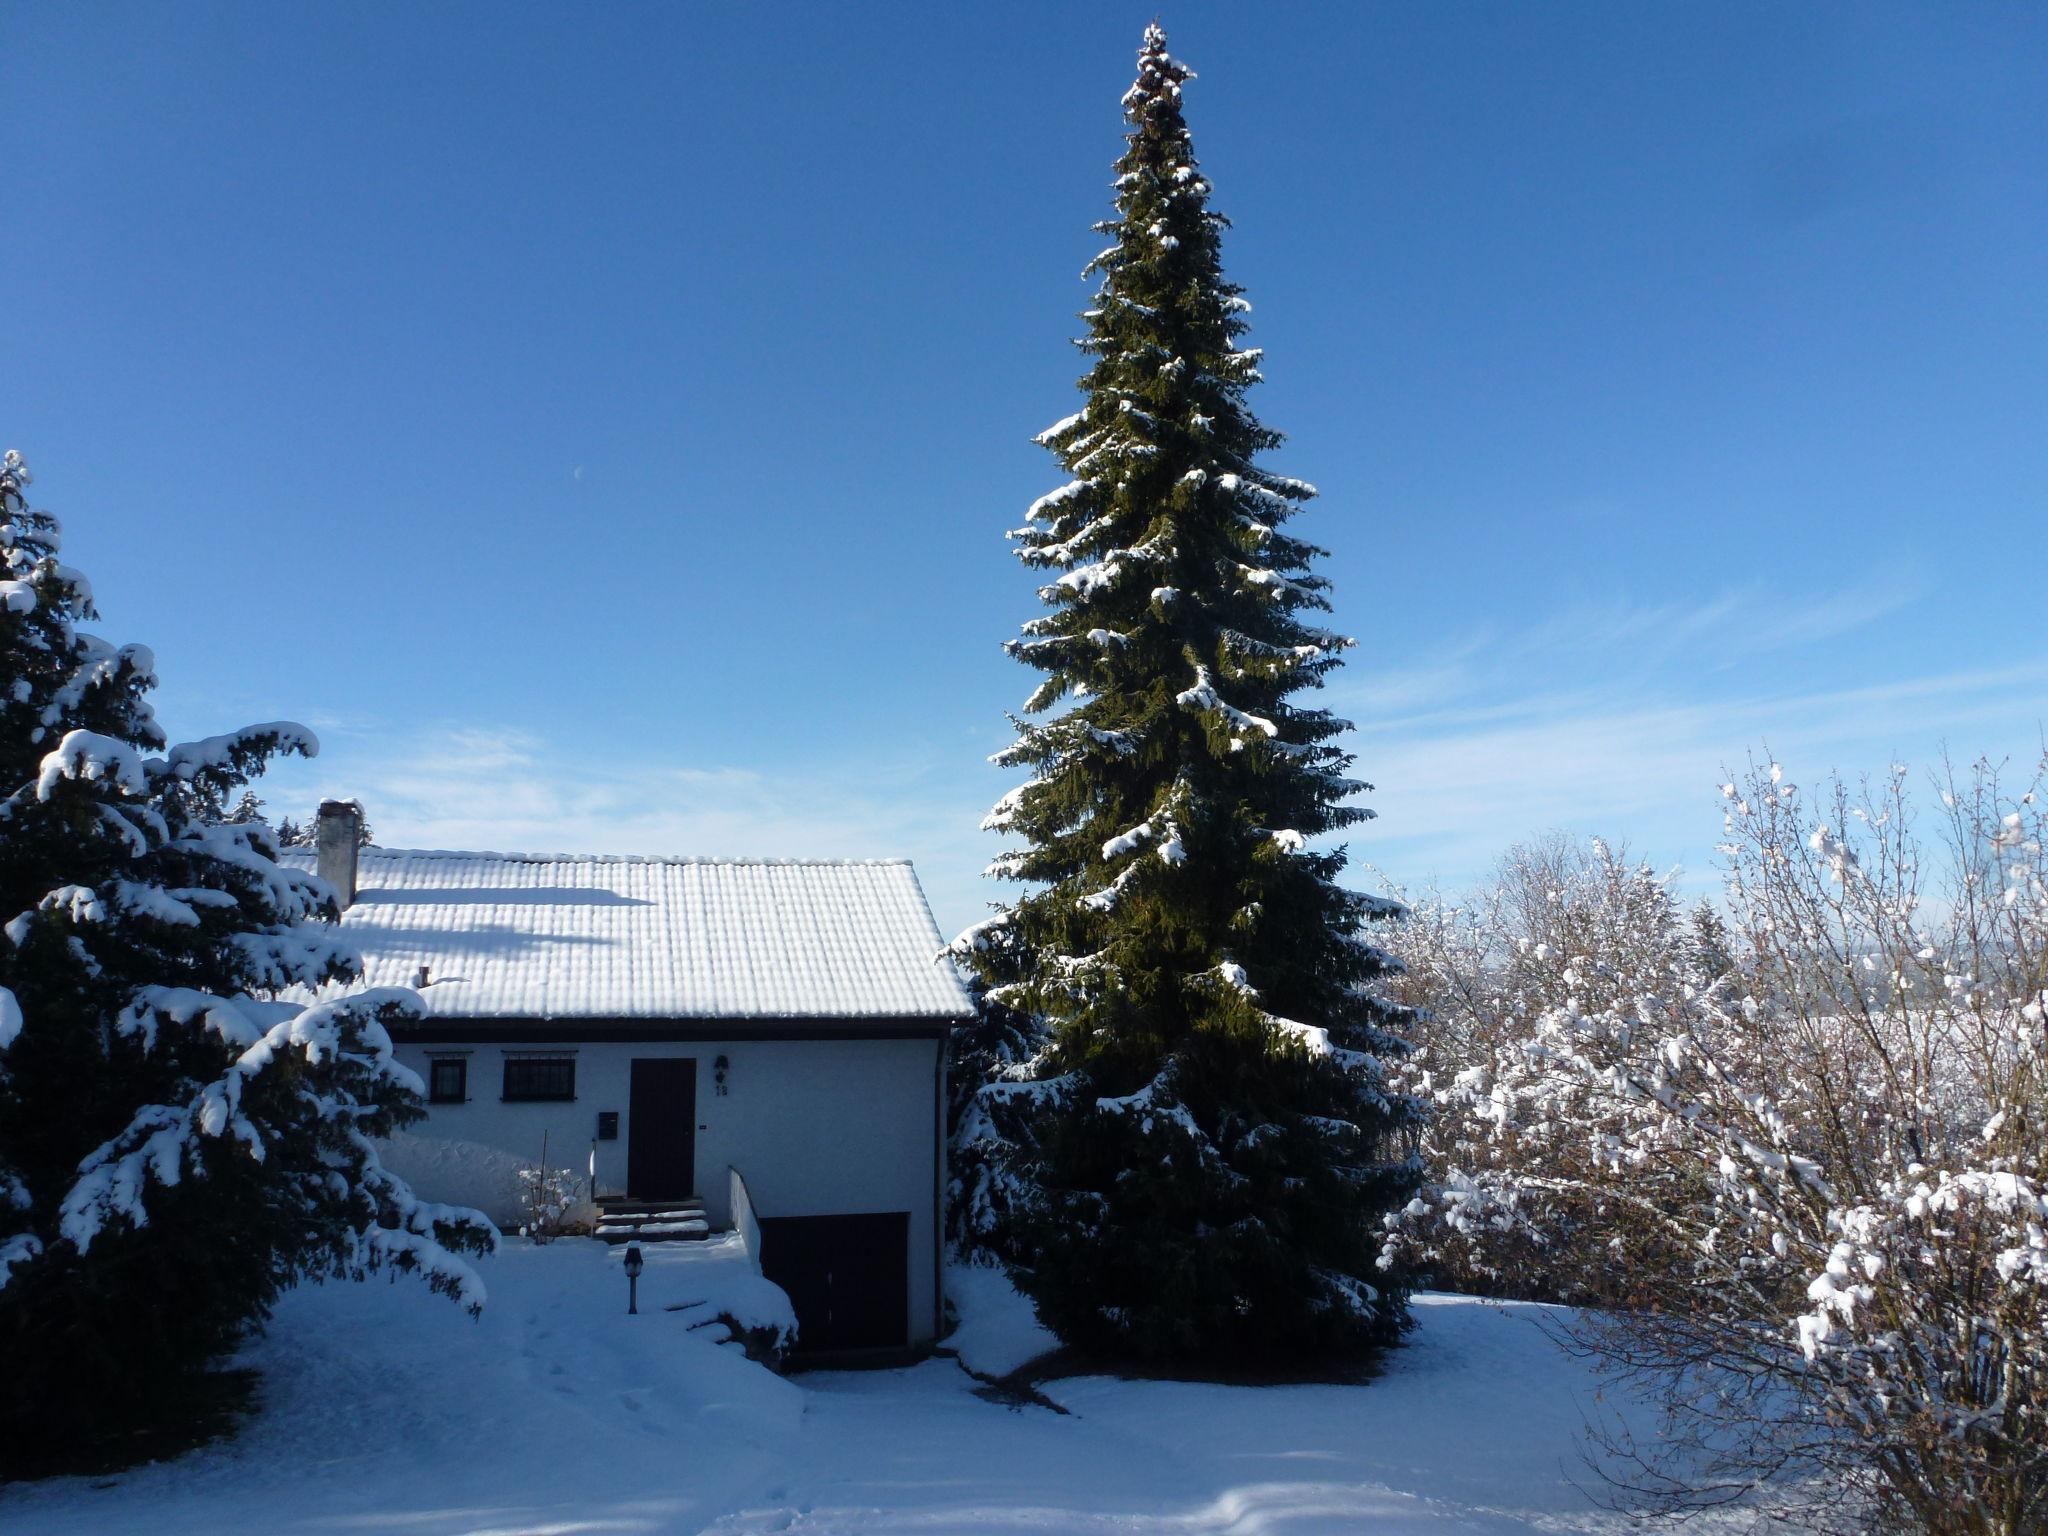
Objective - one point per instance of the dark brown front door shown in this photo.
(661, 1129)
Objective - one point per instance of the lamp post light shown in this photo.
(634, 1264)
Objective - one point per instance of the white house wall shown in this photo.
(815, 1127)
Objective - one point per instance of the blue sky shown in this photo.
(600, 422)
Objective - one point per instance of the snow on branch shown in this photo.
(164, 1142)
(89, 756)
(227, 1018)
(1154, 1105)
(1202, 698)
(1105, 900)
(979, 936)
(1089, 581)
(1168, 837)
(1059, 429)
(1059, 551)
(239, 752)
(1307, 591)
(1315, 1040)
(1238, 485)
(1051, 501)
(1003, 814)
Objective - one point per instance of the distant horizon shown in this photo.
(600, 428)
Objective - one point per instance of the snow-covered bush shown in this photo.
(1823, 1170)
(551, 1199)
(175, 1144)
(1563, 926)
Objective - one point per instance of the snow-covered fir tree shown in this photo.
(210, 803)
(1200, 1156)
(304, 834)
(176, 1144)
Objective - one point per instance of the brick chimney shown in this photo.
(336, 835)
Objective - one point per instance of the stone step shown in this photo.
(652, 1221)
(642, 1218)
(656, 1232)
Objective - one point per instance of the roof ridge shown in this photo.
(373, 850)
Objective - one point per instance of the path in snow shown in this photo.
(384, 1410)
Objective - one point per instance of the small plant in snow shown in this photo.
(549, 1198)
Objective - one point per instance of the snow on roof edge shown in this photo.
(380, 851)
(944, 953)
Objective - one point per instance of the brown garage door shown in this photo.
(847, 1276)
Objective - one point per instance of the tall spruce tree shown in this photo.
(177, 1142)
(1202, 1155)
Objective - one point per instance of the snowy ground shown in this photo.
(384, 1410)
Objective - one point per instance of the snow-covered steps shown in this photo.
(675, 1230)
(687, 1227)
(652, 1221)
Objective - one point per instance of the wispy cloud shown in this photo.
(1612, 648)
(1741, 622)
(512, 790)
(1638, 713)
(1627, 735)
(1712, 633)
(1455, 795)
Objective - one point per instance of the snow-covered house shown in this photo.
(668, 1023)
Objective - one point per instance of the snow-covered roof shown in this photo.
(591, 936)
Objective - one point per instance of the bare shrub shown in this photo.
(1815, 1162)
(1517, 1206)
(551, 1200)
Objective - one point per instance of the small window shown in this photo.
(531, 1079)
(448, 1080)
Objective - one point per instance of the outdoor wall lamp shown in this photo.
(718, 1070)
(635, 1262)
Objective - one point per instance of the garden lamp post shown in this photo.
(634, 1264)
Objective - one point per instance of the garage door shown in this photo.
(847, 1276)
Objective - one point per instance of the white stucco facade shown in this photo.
(834, 1126)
